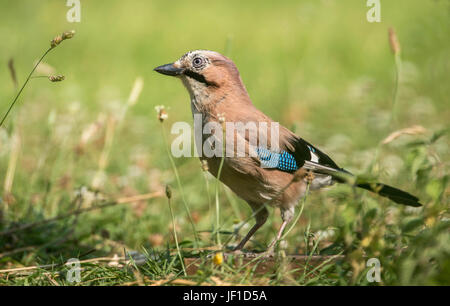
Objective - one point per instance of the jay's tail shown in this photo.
(343, 176)
(392, 193)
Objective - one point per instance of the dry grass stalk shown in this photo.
(413, 130)
(395, 47)
(98, 180)
(136, 91)
(10, 172)
(31, 268)
(111, 128)
(140, 197)
(92, 130)
(55, 283)
(116, 261)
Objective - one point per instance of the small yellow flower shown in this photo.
(430, 221)
(366, 242)
(218, 258)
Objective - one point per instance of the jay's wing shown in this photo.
(296, 153)
(310, 157)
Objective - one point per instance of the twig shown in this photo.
(19, 250)
(80, 211)
(98, 259)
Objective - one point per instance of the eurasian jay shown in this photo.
(275, 170)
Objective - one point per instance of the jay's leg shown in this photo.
(286, 215)
(261, 215)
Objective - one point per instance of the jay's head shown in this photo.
(207, 75)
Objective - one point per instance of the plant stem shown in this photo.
(217, 189)
(208, 195)
(176, 238)
(23, 86)
(186, 207)
(398, 68)
(298, 215)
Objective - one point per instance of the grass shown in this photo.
(317, 67)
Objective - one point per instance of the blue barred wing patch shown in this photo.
(282, 161)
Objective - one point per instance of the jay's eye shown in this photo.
(197, 62)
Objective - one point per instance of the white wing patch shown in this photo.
(314, 157)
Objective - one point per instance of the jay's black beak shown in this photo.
(169, 69)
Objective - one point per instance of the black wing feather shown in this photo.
(302, 152)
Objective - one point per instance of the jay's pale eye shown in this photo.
(197, 62)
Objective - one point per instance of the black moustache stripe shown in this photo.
(198, 77)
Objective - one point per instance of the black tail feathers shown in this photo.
(394, 194)
(343, 176)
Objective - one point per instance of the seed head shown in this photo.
(161, 111)
(221, 118)
(205, 165)
(56, 78)
(58, 39)
(168, 192)
(68, 34)
(393, 41)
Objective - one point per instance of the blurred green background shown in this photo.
(318, 67)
